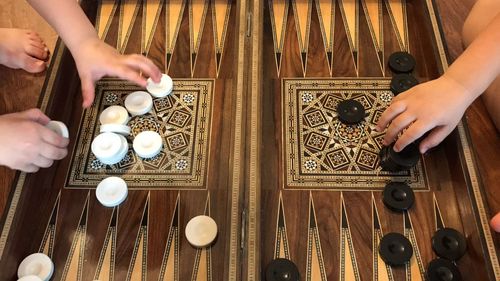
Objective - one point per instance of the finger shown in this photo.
(88, 91)
(29, 168)
(435, 137)
(390, 113)
(415, 131)
(35, 37)
(131, 75)
(52, 138)
(495, 222)
(32, 64)
(148, 68)
(43, 162)
(36, 52)
(36, 115)
(399, 123)
(52, 152)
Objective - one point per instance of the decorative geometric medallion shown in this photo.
(323, 153)
(177, 141)
(183, 119)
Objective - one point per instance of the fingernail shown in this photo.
(423, 150)
(397, 149)
(46, 49)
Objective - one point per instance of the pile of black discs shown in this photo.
(401, 64)
(396, 250)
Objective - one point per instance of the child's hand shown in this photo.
(26, 144)
(435, 106)
(95, 59)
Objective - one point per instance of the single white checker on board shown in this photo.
(201, 231)
(114, 114)
(30, 278)
(148, 144)
(59, 128)
(111, 191)
(36, 264)
(162, 89)
(115, 128)
(139, 103)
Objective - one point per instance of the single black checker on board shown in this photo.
(443, 270)
(402, 82)
(282, 270)
(398, 196)
(395, 249)
(393, 161)
(401, 62)
(350, 111)
(448, 243)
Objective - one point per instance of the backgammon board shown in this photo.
(252, 138)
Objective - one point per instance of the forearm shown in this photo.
(479, 65)
(68, 19)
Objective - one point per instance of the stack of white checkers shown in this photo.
(35, 267)
(201, 231)
(111, 146)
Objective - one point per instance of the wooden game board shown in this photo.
(252, 139)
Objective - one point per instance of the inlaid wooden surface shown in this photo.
(315, 171)
(143, 238)
(322, 231)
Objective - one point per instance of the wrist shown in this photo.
(463, 91)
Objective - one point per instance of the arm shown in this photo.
(438, 105)
(94, 58)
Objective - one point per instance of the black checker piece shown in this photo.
(393, 161)
(398, 196)
(448, 243)
(401, 62)
(402, 82)
(282, 270)
(443, 270)
(395, 249)
(350, 112)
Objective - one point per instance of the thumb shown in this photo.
(88, 91)
(36, 115)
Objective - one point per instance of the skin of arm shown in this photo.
(94, 58)
(437, 106)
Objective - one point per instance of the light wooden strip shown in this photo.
(151, 14)
(326, 14)
(106, 11)
(128, 14)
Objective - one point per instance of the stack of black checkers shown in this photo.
(399, 161)
(450, 245)
(282, 270)
(402, 64)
